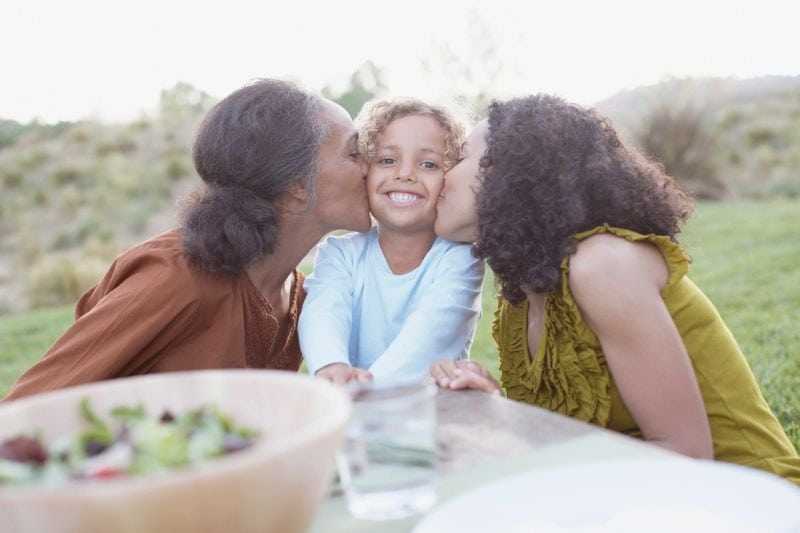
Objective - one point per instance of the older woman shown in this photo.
(597, 319)
(281, 169)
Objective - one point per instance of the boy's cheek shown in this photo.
(373, 174)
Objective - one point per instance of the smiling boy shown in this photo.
(386, 303)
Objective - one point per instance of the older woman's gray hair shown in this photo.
(249, 150)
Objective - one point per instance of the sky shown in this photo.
(109, 60)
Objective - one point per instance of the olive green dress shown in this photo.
(569, 374)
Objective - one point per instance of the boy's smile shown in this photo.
(403, 199)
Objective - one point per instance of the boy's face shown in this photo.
(406, 173)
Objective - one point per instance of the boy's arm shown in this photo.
(325, 320)
(443, 323)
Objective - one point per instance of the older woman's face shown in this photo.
(457, 219)
(341, 201)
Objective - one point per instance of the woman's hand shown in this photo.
(463, 374)
(342, 374)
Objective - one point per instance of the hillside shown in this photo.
(750, 131)
(73, 197)
(76, 194)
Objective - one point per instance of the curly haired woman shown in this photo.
(598, 319)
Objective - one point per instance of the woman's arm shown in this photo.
(617, 286)
(131, 310)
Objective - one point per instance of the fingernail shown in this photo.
(458, 371)
(444, 382)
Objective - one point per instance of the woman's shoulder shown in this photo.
(164, 251)
(160, 261)
(609, 252)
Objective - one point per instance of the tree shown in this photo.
(365, 84)
(183, 103)
(470, 77)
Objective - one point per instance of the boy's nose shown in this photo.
(406, 176)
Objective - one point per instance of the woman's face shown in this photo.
(457, 218)
(341, 201)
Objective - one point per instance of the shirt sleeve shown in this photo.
(133, 311)
(443, 323)
(326, 318)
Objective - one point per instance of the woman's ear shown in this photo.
(298, 192)
(295, 200)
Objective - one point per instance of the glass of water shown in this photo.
(387, 464)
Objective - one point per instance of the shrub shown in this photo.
(122, 144)
(677, 135)
(12, 178)
(59, 281)
(79, 135)
(33, 159)
(177, 167)
(66, 175)
(759, 136)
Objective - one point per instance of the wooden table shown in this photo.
(483, 437)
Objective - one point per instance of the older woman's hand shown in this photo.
(463, 374)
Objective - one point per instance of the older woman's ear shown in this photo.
(296, 200)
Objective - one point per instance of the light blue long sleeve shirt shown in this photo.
(357, 311)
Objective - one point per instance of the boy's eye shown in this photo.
(429, 165)
(386, 160)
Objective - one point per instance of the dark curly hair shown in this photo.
(554, 169)
(250, 148)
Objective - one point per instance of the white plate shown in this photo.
(674, 495)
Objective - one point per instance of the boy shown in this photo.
(385, 304)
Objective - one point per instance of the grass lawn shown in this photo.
(746, 259)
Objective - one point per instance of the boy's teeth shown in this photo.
(402, 197)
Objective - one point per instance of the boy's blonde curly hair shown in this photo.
(377, 114)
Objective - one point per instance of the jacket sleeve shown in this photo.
(131, 314)
(325, 322)
(443, 323)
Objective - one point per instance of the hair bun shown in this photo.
(237, 228)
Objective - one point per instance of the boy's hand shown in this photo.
(463, 374)
(342, 373)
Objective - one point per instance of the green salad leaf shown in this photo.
(130, 443)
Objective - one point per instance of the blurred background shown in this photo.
(99, 101)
